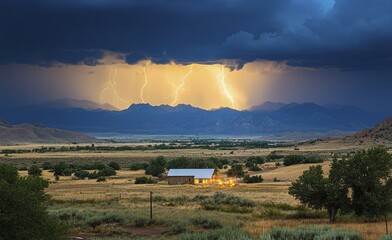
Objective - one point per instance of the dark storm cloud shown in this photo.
(345, 34)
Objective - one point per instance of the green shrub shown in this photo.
(386, 237)
(35, 171)
(227, 208)
(272, 213)
(139, 166)
(82, 174)
(145, 180)
(97, 166)
(310, 233)
(47, 166)
(176, 229)
(253, 179)
(23, 168)
(142, 222)
(224, 198)
(206, 223)
(217, 234)
(107, 171)
(281, 206)
(106, 219)
(101, 179)
(60, 168)
(114, 165)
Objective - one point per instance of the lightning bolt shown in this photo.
(110, 85)
(225, 87)
(182, 84)
(144, 84)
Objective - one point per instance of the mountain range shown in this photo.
(269, 117)
(27, 133)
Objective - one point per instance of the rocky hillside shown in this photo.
(27, 133)
(382, 131)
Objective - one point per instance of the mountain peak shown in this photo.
(75, 103)
(268, 106)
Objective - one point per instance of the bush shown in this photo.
(176, 229)
(255, 168)
(310, 233)
(107, 171)
(35, 171)
(142, 222)
(253, 179)
(23, 168)
(227, 203)
(47, 166)
(114, 165)
(293, 159)
(101, 179)
(145, 180)
(206, 223)
(386, 237)
(217, 234)
(106, 219)
(82, 174)
(139, 166)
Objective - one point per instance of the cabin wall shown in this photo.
(181, 180)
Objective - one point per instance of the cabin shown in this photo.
(191, 176)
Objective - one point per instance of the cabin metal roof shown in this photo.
(196, 173)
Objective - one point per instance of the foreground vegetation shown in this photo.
(119, 209)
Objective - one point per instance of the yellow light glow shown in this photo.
(207, 86)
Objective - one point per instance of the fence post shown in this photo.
(150, 205)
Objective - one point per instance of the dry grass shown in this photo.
(290, 173)
(370, 231)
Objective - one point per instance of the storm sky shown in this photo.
(208, 53)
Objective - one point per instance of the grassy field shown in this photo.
(120, 208)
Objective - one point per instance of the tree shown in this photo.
(35, 171)
(156, 166)
(23, 204)
(318, 192)
(368, 178)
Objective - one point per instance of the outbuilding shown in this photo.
(191, 176)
